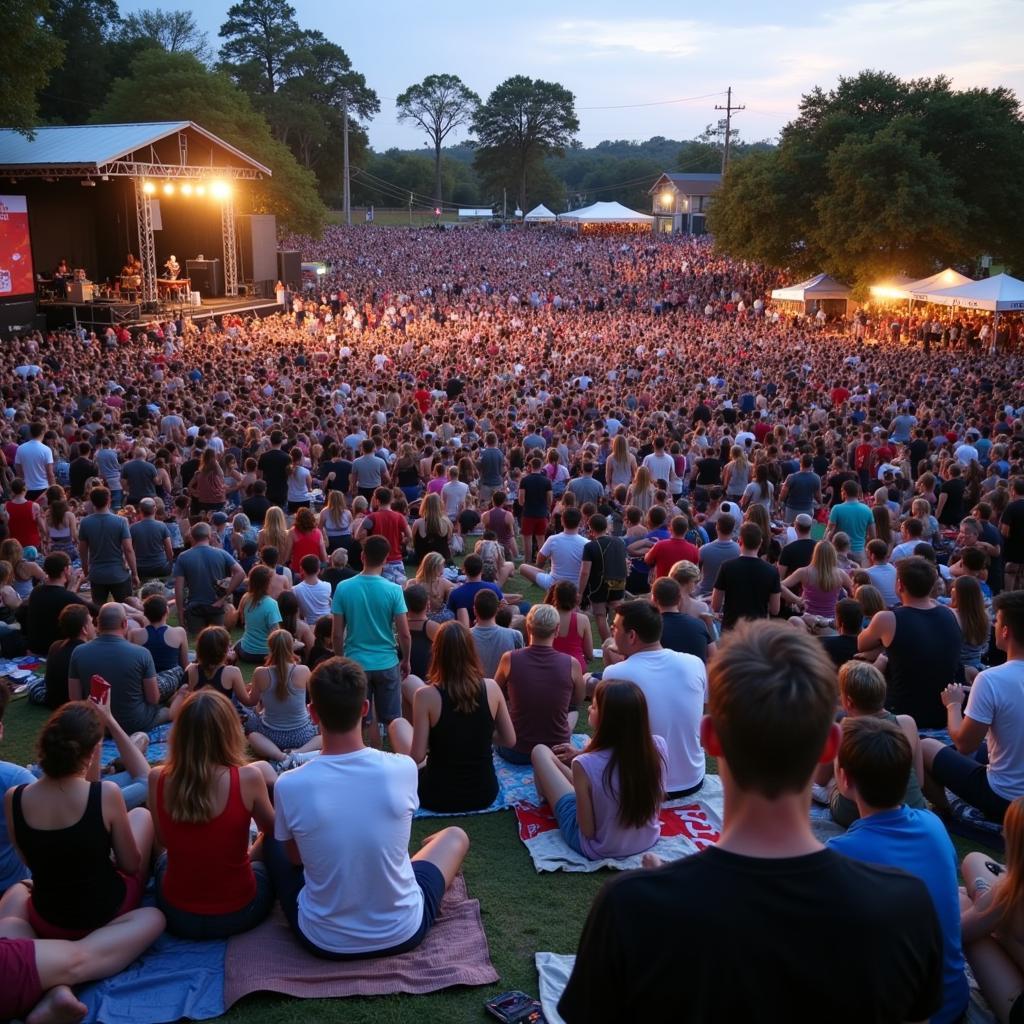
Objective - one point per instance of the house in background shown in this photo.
(680, 201)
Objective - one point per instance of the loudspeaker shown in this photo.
(257, 243)
(289, 269)
(205, 276)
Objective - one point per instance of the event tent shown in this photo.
(948, 278)
(540, 215)
(606, 213)
(819, 292)
(998, 294)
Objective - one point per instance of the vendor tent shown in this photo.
(948, 278)
(998, 294)
(820, 292)
(606, 213)
(540, 215)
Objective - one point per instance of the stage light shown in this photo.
(168, 189)
(186, 189)
(149, 188)
(666, 199)
(200, 190)
(220, 190)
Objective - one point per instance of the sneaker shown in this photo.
(284, 765)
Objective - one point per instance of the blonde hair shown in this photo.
(684, 572)
(862, 685)
(434, 519)
(825, 563)
(430, 568)
(207, 735)
(275, 529)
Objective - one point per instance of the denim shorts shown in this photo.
(568, 825)
(385, 689)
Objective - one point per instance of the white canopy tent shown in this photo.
(998, 294)
(948, 278)
(540, 215)
(818, 292)
(606, 213)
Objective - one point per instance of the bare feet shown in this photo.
(58, 1006)
(649, 861)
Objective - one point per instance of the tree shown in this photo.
(173, 31)
(79, 84)
(209, 98)
(439, 104)
(523, 121)
(882, 175)
(260, 37)
(30, 46)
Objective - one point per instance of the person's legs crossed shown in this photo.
(288, 879)
(548, 775)
(446, 850)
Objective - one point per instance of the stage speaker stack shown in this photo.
(206, 277)
(289, 269)
(257, 244)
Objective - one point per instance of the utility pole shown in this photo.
(504, 204)
(728, 108)
(347, 188)
(410, 209)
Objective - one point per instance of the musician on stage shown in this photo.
(173, 268)
(61, 275)
(131, 273)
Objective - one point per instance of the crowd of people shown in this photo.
(802, 554)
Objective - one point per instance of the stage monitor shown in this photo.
(16, 277)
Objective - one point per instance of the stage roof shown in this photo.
(92, 147)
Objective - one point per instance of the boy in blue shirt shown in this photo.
(872, 765)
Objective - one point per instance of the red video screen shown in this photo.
(15, 248)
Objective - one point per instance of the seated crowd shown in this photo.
(301, 558)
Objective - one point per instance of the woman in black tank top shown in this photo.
(211, 669)
(66, 826)
(421, 628)
(455, 717)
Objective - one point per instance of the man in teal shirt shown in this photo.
(369, 612)
(852, 517)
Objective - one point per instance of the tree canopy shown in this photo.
(882, 176)
(173, 31)
(439, 104)
(523, 121)
(31, 46)
(211, 99)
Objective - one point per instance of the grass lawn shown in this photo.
(523, 912)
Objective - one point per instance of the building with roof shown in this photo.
(681, 201)
(94, 193)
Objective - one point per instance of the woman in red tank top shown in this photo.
(573, 637)
(208, 883)
(307, 539)
(23, 517)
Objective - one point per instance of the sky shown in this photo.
(624, 62)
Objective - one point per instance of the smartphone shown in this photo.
(515, 1007)
(98, 689)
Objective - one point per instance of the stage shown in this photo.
(99, 315)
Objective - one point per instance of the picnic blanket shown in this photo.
(553, 969)
(515, 785)
(156, 753)
(173, 980)
(455, 952)
(176, 979)
(687, 826)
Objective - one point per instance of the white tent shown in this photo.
(948, 278)
(813, 289)
(997, 294)
(606, 213)
(540, 215)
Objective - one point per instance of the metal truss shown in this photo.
(147, 248)
(126, 169)
(227, 229)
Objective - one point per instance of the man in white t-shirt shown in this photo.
(313, 593)
(661, 464)
(994, 715)
(33, 462)
(565, 550)
(676, 688)
(453, 494)
(340, 853)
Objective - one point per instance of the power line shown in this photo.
(624, 106)
(728, 108)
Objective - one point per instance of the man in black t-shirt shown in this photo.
(798, 553)
(257, 505)
(679, 632)
(274, 466)
(535, 500)
(747, 588)
(603, 572)
(950, 509)
(81, 470)
(341, 468)
(766, 924)
(48, 600)
(842, 646)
